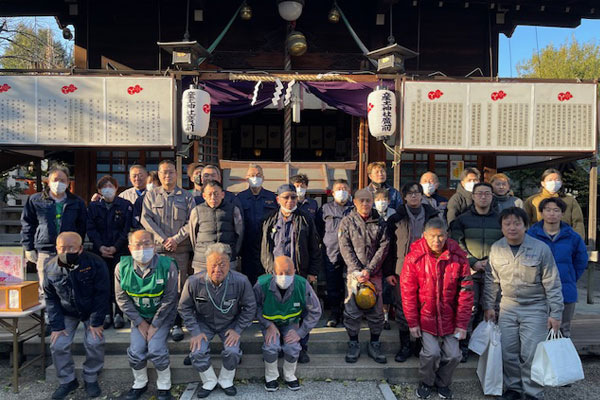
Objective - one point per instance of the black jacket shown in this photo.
(82, 293)
(307, 252)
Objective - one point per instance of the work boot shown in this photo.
(303, 357)
(424, 391)
(271, 386)
(135, 394)
(107, 321)
(63, 390)
(334, 318)
(444, 392)
(177, 333)
(530, 397)
(119, 322)
(465, 354)
(187, 360)
(164, 395)
(404, 353)
(92, 389)
(511, 395)
(387, 326)
(374, 351)
(353, 351)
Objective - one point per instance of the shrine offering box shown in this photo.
(18, 296)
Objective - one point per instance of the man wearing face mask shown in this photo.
(291, 232)
(430, 183)
(257, 202)
(212, 173)
(194, 173)
(288, 308)
(214, 221)
(382, 202)
(306, 204)
(462, 199)
(327, 222)
(48, 213)
(77, 289)
(377, 174)
(218, 303)
(363, 241)
(108, 224)
(146, 290)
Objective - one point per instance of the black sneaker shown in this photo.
(511, 395)
(135, 394)
(92, 389)
(387, 326)
(272, 386)
(403, 354)
(353, 352)
(119, 322)
(63, 390)
(423, 391)
(444, 392)
(230, 391)
(164, 395)
(293, 385)
(334, 319)
(465, 354)
(530, 397)
(203, 393)
(303, 357)
(107, 322)
(374, 351)
(187, 360)
(177, 333)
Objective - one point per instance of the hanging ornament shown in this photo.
(195, 111)
(381, 111)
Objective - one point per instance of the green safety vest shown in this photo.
(282, 314)
(147, 292)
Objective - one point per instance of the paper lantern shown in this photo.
(195, 111)
(381, 110)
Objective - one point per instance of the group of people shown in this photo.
(211, 261)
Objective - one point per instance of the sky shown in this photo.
(523, 42)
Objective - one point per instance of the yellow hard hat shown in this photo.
(366, 295)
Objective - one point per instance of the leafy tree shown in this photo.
(22, 46)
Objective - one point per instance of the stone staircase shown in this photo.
(327, 347)
(10, 225)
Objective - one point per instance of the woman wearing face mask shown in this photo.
(109, 222)
(503, 197)
(48, 213)
(552, 186)
(382, 204)
(404, 227)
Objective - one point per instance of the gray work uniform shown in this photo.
(131, 194)
(222, 224)
(309, 318)
(156, 350)
(166, 215)
(363, 246)
(531, 292)
(200, 315)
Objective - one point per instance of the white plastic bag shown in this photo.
(556, 362)
(481, 337)
(489, 367)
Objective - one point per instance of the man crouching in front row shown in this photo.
(218, 302)
(283, 300)
(146, 292)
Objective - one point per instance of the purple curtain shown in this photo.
(231, 99)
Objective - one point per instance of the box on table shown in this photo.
(18, 296)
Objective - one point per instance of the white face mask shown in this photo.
(285, 210)
(284, 281)
(381, 206)
(340, 195)
(301, 192)
(553, 186)
(58, 187)
(428, 188)
(469, 186)
(149, 186)
(108, 193)
(255, 181)
(143, 256)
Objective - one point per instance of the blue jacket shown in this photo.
(38, 220)
(569, 253)
(81, 293)
(309, 206)
(395, 195)
(109, 226)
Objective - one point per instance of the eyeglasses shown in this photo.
(413, 193)
(483, 194)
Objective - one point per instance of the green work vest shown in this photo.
(147, 292)
(282, 314)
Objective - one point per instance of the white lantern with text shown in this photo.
(195, 111)
(381, 111)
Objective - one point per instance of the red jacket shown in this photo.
(437, 294)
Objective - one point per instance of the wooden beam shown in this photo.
(592, 226)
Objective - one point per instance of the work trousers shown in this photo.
(156, 350)
(353, 315)
(231, 354)
(438, 359)
(565, 323)
(291, 351)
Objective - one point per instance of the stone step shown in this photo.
(321, 367)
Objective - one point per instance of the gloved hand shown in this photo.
(31, 255)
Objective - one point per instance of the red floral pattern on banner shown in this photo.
(4, 88)
(566, 96)
(435, 94)
(134, 89)
(68, 89)
(498, 95)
